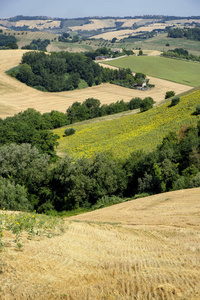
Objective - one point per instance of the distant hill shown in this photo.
(100, 25)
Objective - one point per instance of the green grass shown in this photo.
(129, 133)
(178, 71)
(159, 43)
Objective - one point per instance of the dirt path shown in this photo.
(143, 249)
(16, 96)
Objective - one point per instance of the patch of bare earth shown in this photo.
(143, 249)
(16, 96)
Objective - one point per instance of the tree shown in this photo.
(13, 196)
(169, 94)
(25, 74)
(146, 104)
(175, 101)
(113, 40)
(140, 52)
(135, 103)
(69, 131)
(197, 112)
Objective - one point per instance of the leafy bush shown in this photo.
(146, 104)
(197, 112)
(175, 101)
(13, 197)
(169, 94)
(69, 131)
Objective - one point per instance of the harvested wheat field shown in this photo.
(143, 249)
(16, 96)
(95, 24)
(121, 34)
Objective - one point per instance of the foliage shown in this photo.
(69, 131)
(91, 108)
(180, 53)
(197, 109)
(146, 104)
(63, 71)
(169, 94)
(32, 127)
(5, 41)
(13, 196)
(29, 181)
(38, 45)
(131, 132)
(188, 33)
(175, 101)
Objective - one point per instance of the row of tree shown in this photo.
(181, 54)
(92, 108)
(188, 33)
(29, 181)
(33, 127)
(37, 45)
(8, 42)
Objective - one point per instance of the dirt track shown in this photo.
(16, 96)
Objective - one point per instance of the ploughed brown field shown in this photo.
(16, 96)
(147, 248)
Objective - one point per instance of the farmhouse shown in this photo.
(100, 57)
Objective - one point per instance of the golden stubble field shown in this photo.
(143, 249)
(121, 34)
(16, 96)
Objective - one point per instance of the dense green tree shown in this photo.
(146, 104)
(169, 94)
(13, 196)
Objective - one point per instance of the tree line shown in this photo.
(8, 42)
(37, 45)
(34, 128)
(188, 33)
(181, 54)
(29, 180)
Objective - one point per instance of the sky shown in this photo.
(102, 8)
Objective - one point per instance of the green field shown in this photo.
(178, 71)
(133, 132)
(159, 42)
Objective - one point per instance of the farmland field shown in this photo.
(26, 37)
(120, 34)
(144, 249)
(16, 96)
(159, 42)
(129, 133)
(183, 72)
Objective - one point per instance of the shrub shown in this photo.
(197, 112)
(175, 101)
(69, 131)
(169, 94)
(146, 104)
(13, 196)
(135, 103)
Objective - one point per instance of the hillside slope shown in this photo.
(16, 96)
(143, 249)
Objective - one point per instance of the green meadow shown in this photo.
(179, 71)
(129, 133)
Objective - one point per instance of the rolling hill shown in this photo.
(124, 133)
(16, 96)
(143, 249)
